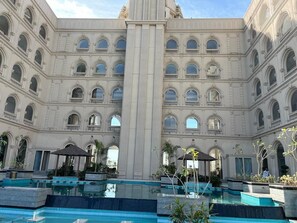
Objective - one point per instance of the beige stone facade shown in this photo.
(213, 84)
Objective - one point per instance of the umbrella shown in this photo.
(71, 150)
(201, 157)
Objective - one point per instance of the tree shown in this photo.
(289, 137)
(262, 152)
(101, 154)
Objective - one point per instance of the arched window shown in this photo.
(192, 96)
(258, 88)
(275, 111)
(171, 45)
(213, 95)
(171, 69)
(117, 94)
(121, 44)
(170, 96)
(94, 120)
(4, 25)
(3, 149)
(101, 68)
(286, 25)
(16, 73)
(102, 44)
(212, 45)
(214, 123)
(33, 84)
(255, 58)
(290, 61)
(21, 154)
(192, 69)
(260, 119)
(77, 93)
(83, 44)
(170, 123)
(115, 121)
(192, 123)
(264, 15)
(28, 15)
(98, 93)
(253, 32)
(112, 157)
(10, 105)
(81, 68)
(268, 45)
(42, 32)
(119, 69)
(73, 120)
(38, 57)
(294, 101)
(192, 44)
(23, 43)
(272, 77)
(29, 113)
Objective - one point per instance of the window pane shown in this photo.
(170, 123)
(171, 69)
(38, 57)
(102, 44)
(212, 45)
(192, 96)
(275, 111)
(33, 85)
(81, 68)
(213, 95)
(258, 88)
(0, 60)
(192, 69)
(214, 124)
(4, 25)
(291, 61)
(170, 95)
(294, 101)
(73, 120)
(119, 68)
(16, 73)
(115, 121)
(21, 155)
(100, 68)
(272, 77)
(77, 93)
(121, 44)
(83, 44)
(261, 119)
(94, 120)
(28, 15)
(10, 105)
(42, 32)
(239, 166)
(192, 44)
(268, 45)
(23, 43)
(97, 93)
(192, 123)
(29, 113)
(256, 59)
(171, 44)
(117, 94)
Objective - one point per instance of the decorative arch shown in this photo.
(172, 44)
(121, 43)
(289, 60)
(170, 122)
(271, 76)
(192, 44)
(192, 95)
(29, 15)
(83, 43)
(260, 118)
(170, 95)
(117, 93)
(43, 30)
(212, 44)
(192, 122)
(115, 120)
(5, 24)
(284, 24)
(102, 43)
(257, 87)
(24, 42)
(171, 68)
(215, 166)
(255, 59)
(100, 67)
(192, 68)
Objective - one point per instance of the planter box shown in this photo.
(256, 187)
(234, 184)
(92, 176)
(286, 195)
(165, 203)
(166, 180)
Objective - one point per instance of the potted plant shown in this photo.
(258, 184)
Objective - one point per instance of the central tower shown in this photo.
(140, 140)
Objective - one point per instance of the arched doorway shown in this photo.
(216, 166)
(91, 149)
(112, 157)
(21, 154)
(281, 161)
(3, 150)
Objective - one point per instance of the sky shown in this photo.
(111, 8)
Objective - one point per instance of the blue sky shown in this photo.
(111, 8)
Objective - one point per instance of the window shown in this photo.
(192, 69)
(119, 69)
(83, 44)
(102, 44)
(170, 123)
(253, 32)
(38, 57)
(214, 123)
(121, 44)
(294, 101)
(81, 69)
(94, 120)
(115, 121)
(16, 73)
(23, 43)
(13, 1)
(213, 70)
(290, 61)
(243, 166)
(10, 105)
(171, 69)
(272, 77)
(4, 25)
(275, 111)
(77, 93)
(171, 45)
(286, 25)
(258, 88)
(260, 119)
(3, 149)
(191, 96)
(255, 58)
(212, 45)
(213, 96)
(42, 32)
(101, 68)
(117, 94)
(73, 119)
(264, 15)
(192, 123)
(33, 84)
(28, 16)
(192, 44)
(1, 61)
(21, 154)
(268, 45)
(98, 94)
(29, 113)
(170, 96)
